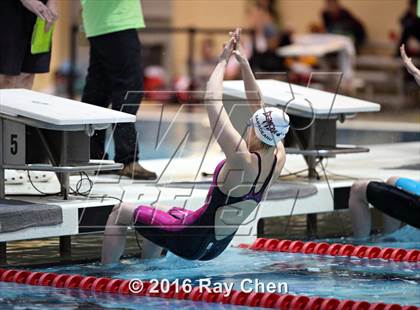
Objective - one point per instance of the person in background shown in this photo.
(270, 9)
(115, 75)
(204, 67)
(408, 63)
(339, 20)
(410, 25)
(18, 65)
(268, 61)
(398, 199)
(264, 20)
(262, 15)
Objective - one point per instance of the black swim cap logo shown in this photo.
(269, 125)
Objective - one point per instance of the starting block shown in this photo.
(48, 133)
(313, 116)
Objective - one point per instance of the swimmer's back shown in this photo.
(236, 177)
(205, 233)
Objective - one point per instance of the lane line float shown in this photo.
(334, 249)
(253, 299)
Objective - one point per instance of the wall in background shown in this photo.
(204, 14)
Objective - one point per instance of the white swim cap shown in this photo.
(270, 125)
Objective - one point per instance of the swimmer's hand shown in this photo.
(230, 45)
(39, 9)
(408, 63)
(237, 36)
(227, 50)
(238, 51)
(239, 55)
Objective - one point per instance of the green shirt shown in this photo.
(107, 16)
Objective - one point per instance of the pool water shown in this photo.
(370, 137)
(15, 296)
(406, 237)
(312, 275)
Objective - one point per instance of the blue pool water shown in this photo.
(406, 237)
(370, 137)
(343, 278)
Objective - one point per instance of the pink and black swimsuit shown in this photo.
(191, 234)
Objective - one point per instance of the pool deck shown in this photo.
(83, 214)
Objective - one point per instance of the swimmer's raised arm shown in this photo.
(408, 63)
(226, 135)
(252, 90)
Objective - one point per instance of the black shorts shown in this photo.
(394, 202)
(16, 27)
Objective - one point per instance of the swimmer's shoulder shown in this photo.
(246, 161)
(281, 157)
(242, 160)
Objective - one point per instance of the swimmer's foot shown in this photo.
(135, 171)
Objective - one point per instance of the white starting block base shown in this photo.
(382, 162)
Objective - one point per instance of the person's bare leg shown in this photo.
(8, 81)
(115, 232)
(25, 80)
(150, 250)
(390, 224)
(392, 180)
(359, 210)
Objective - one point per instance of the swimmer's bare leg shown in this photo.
(116, 231)
(359, 210)
(150, 250)
(390, 224)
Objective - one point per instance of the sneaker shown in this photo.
(135, 171)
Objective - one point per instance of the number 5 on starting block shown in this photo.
(13, 142)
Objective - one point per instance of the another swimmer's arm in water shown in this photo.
(408, 63)
(252, 90)
(226, 135)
